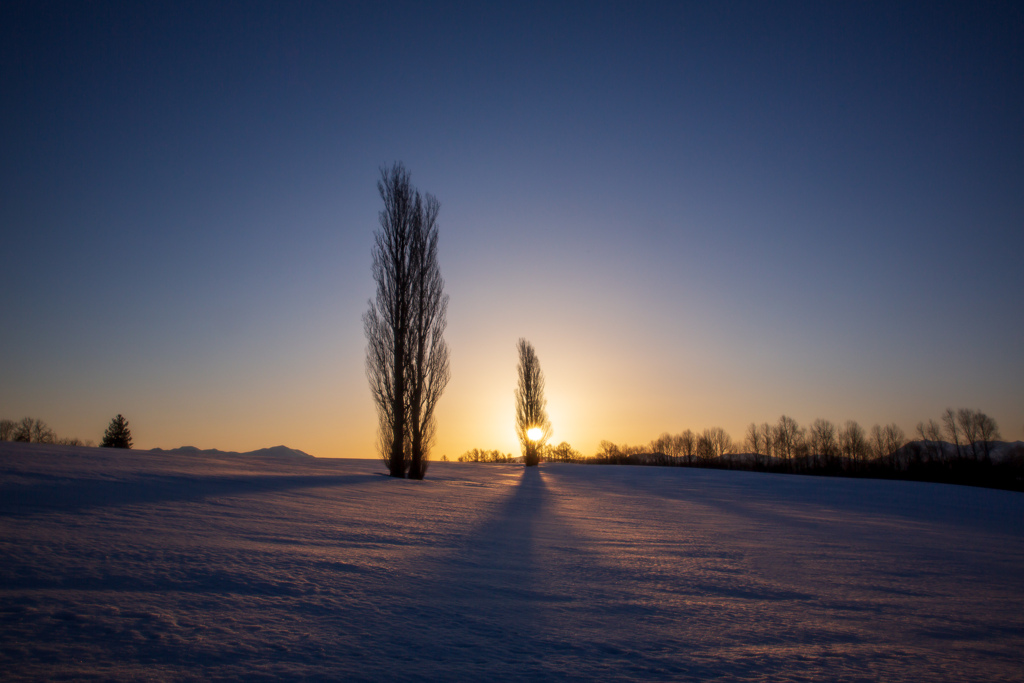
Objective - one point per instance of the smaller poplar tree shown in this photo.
(532, 424)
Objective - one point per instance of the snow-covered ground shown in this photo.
(128, 565)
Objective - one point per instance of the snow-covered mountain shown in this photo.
(998, 450)
(275, 452)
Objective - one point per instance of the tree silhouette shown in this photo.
(428, 353)
(823, 444)
(532, 424)
(755, 443)
(32, 430)
(969, 428)
(787, 438)
(949, 423)
(853, 444)
(688, 445)
(988, 431)
(406, 356)
(117, 435)
(717, 442)
(563, 452)
(976, 457)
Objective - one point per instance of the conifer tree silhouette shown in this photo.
(117, 435)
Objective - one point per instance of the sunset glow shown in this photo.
(700, 214)
(588, 339)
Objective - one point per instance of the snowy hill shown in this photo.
(184, 565)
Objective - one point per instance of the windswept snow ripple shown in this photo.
(125, 565)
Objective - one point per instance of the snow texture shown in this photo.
(188, 566)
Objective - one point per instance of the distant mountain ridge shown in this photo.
(997, 450)
(274, 452)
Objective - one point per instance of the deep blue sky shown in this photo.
(700, 214)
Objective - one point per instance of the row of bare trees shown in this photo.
(34, 430)
(480, 455)
(686, 448)
(958, 448)
(563, 452)
(971, 433)
(823, 445)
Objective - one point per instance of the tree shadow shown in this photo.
(505, 545)
(485, 600)
(786, 500)
(67, 495)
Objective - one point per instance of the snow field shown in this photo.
(126, 565)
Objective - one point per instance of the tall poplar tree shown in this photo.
(428, 353)
(406, 356)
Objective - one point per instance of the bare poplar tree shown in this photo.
(387, 322)
(531, 406)
(406, 356)
(428, 352)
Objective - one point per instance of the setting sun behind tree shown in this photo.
(532, 423)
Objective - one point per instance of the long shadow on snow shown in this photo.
(523, 593)
(792, 500)
(75, 495)
(484, 602)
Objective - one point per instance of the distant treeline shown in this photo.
(563, 452)
(963, 447)
(479, 455)
(34, 430)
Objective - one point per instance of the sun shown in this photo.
(534, 433)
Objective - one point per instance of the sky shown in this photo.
(700, 214)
